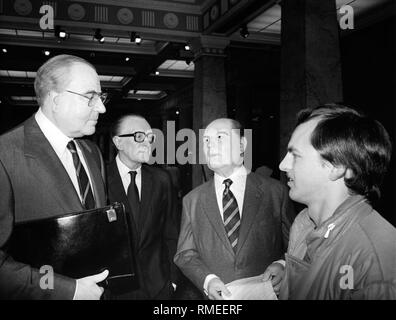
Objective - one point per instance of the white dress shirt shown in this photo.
(126, 177)
(58, 140)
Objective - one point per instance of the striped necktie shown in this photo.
(232, 220)
(86, 194)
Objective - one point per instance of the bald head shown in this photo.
(224, 146)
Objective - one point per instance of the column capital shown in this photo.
(209, 45)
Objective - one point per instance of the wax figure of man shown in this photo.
(340, 247)
(45, 171)
(237, 223)
(148, 195)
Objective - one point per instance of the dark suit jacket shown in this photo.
(34, 184)
(203, 246)
(155, 232)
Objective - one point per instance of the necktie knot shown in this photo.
(133, 175)
(227, 183)
(71, 146)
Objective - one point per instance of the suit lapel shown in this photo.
(146, 196)
(211, 209)
(48, 169)
(118, 191)
(251, 205)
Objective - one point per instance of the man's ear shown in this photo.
(243, 144)
(117, 142)
(54, 97)
(337, 172)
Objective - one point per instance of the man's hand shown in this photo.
(87, 288)
(216, 288)
(275, 273)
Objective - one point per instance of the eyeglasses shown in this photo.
(92, 97)
(139, 136)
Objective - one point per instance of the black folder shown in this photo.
(80, 244)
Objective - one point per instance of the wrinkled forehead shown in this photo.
(133, 124)
(219, 126)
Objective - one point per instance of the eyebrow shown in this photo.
(92, 92)
(292, 149)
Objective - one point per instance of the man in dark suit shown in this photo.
(38, 177)
(237, 223)
(150, 200)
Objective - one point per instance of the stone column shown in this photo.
(310, 60)
(209, 92)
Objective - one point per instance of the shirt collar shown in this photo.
(238, 173)
(123, 169)
(54, 135)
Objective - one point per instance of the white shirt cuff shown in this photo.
(206, 282)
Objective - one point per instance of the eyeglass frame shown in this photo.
(101, 95)
(134, 136)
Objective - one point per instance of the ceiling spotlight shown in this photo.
(156, 73)
(177, 112)
(244, 32)
(60, 33)
(98, 36)
(127, 59)
(135, 38)
(47, 53)
(4, 50)
(187, 47)
(138, 39)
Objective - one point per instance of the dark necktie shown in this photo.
(86, 194)
(232, 220)
(133, 196)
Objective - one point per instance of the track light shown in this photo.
(60, 33)
(187, 47)
(135, 38)
(98, 36)
(244, 32)
(47, 53)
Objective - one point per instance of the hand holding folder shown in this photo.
(80, 245)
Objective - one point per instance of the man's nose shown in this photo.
(100, 107)
(284, 165)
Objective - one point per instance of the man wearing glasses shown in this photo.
(45, 171)
(150, 201)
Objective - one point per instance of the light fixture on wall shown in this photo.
(244, 32)
(98, 36)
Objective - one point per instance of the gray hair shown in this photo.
(55, 75)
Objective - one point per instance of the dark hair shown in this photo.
(346, 137)
(115, 127)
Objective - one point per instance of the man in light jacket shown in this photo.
(339, 247)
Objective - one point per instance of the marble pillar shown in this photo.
(209, 101)
(310, 60)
